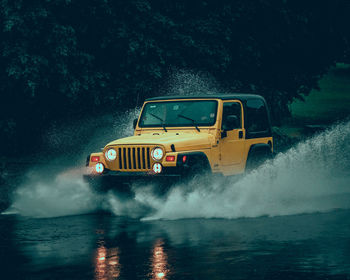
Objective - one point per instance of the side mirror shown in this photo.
(134, 123)
(231, 122)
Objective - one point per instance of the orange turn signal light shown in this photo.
(170, 158)
(95, 159)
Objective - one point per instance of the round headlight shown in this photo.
(99, 167)
(157, 168)
(157, 153)
(111, 154)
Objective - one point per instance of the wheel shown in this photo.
(197, 169)
(257, 158)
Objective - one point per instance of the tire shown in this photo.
(198, 169)
(256, 159)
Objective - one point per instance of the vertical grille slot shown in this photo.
(129, 159)
(148, 160)
(120, 158)
(138, 159)
(134, 158)
(124, 158)
(143, 159)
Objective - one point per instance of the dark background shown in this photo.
(63, 60)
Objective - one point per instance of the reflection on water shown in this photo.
(106, 247)
(107, 263)
(159, 259)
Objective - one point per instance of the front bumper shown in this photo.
(122, 181)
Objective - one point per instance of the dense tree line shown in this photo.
(62, 59)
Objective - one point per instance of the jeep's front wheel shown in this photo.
(197, 170)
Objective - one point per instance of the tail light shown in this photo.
(184, 158)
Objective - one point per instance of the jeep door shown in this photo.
(232, 133)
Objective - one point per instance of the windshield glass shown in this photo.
(179, 113)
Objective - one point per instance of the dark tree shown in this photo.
(62, 59)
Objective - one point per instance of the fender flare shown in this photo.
(257, 154)
(260, 148)
(191, 159)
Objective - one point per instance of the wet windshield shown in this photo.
(179, 113)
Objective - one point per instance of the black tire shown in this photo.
(198, 169)
(257, 158)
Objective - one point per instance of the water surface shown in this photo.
(103, 246)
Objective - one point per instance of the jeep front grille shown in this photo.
(134, 158)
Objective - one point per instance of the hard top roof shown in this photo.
(238, 96)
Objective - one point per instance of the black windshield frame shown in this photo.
(209, 124)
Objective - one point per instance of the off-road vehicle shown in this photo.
(176, 137)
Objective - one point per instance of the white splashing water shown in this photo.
(78, 138)
(186, 82)
(61, 195)
(311, 177)
(48, 191)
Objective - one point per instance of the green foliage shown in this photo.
(66, 58)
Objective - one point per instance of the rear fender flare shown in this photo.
(258, 153)
(260, 148)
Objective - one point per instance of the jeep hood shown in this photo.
(183, 141)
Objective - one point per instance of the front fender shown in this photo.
(186, 160)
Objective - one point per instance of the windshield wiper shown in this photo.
(193, 121)
(159, 118)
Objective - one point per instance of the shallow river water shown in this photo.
(103, 246)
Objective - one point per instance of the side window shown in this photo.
(231, 109)
(257, 120)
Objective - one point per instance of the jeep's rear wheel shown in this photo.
(256, 159)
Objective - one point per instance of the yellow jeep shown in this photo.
(176, 137)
